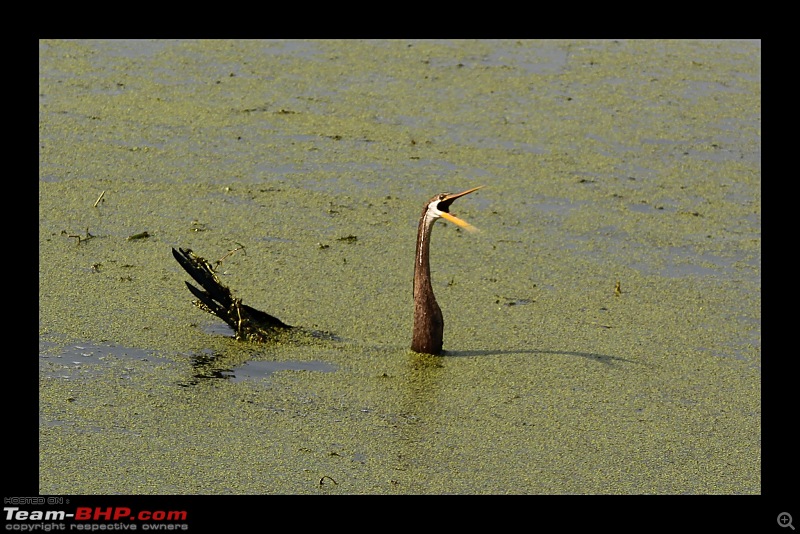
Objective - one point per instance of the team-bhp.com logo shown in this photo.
(150, 519)
(84, 513)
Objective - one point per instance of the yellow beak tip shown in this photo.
(460, 222)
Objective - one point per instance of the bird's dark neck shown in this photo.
(428, 320)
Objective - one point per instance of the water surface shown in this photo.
(603, 332)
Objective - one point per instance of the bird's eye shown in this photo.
(442, 196)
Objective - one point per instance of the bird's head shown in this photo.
(439, 207)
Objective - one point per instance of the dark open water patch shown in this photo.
(209, 365)
(75, 359)
(255, 370)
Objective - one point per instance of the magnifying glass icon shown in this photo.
(785, 520)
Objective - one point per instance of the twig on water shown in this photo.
(86, 238)
(140, 235)
(322, 480)
(230, 253)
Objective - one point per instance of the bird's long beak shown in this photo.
(449, 199)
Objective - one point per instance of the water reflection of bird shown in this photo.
(255, 325)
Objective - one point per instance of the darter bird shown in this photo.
(255, 325)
